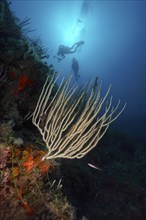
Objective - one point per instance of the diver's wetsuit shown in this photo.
(75, 68)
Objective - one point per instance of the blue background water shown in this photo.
(114, 35)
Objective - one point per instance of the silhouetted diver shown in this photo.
(62, 50)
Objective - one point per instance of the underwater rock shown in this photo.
(8, 26)
(18, 141)
(6, 129)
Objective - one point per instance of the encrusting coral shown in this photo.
(27, 186)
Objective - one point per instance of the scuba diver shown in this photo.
(75, 68)
(62, 50)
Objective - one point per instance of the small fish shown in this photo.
(79, 20)
(93, 166)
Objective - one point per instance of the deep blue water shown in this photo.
(114, 35)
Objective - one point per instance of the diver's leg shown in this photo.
(73, 46)
(76, 77)
(70, 48)
(77, 44)
(73, 51)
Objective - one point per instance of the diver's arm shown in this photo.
(60, 58)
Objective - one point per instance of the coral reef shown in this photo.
(25, 182)
(8, 26)
(26, 186)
